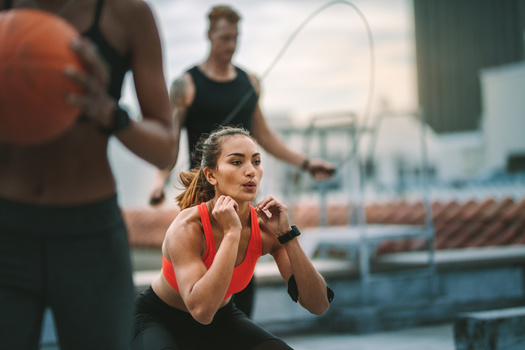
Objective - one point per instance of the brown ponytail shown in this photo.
(198, 189)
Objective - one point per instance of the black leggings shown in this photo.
(74, 260)
(158, 326)
(244, 299)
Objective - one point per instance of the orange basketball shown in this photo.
(34, 52)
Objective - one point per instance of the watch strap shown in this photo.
(288, 236)
(121, 121)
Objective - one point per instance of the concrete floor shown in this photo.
(438, 337)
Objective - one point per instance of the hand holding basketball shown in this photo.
(94, 101)
(35, 49)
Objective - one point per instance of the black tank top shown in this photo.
(118, 65)
(213, 102)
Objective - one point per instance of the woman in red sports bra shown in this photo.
(210, 251)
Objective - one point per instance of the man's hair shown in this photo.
(222, 11)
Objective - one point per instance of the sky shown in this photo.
(326, 67)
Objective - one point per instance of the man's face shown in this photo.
(223, 39)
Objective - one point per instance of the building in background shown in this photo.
(470, 56)
(503, 118)
(455, 41)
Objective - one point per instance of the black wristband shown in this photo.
(293, 291)
(305, 164)
(120, 122)
(288, 236)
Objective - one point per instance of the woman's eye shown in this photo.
(257, 162)
(236, 162)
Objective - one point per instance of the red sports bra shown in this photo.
(243, 273)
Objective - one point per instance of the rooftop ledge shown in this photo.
(266, 271)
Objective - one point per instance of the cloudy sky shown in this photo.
(327, 66)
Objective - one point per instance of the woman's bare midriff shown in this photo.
(72, 169)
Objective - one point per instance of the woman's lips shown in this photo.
(251, 186)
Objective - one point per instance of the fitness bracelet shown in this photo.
(305, 164)
(121, 122)
(288, 236)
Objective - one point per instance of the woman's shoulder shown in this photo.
(131, 5)
(186, 224)
(186, 230)
(187, 217)
(132, 12)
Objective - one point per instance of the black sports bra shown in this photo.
(118, 65)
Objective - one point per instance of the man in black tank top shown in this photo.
(215, 93)
(213, 103)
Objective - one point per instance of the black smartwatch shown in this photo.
(288, 236)
(121, 122)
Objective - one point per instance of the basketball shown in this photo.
(34, 52)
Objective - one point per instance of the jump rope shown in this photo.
(291, 38)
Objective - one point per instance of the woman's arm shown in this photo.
(153, 139)
(291, 259)
(311, 287)
(202, 289)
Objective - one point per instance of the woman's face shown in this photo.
(239, 170)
